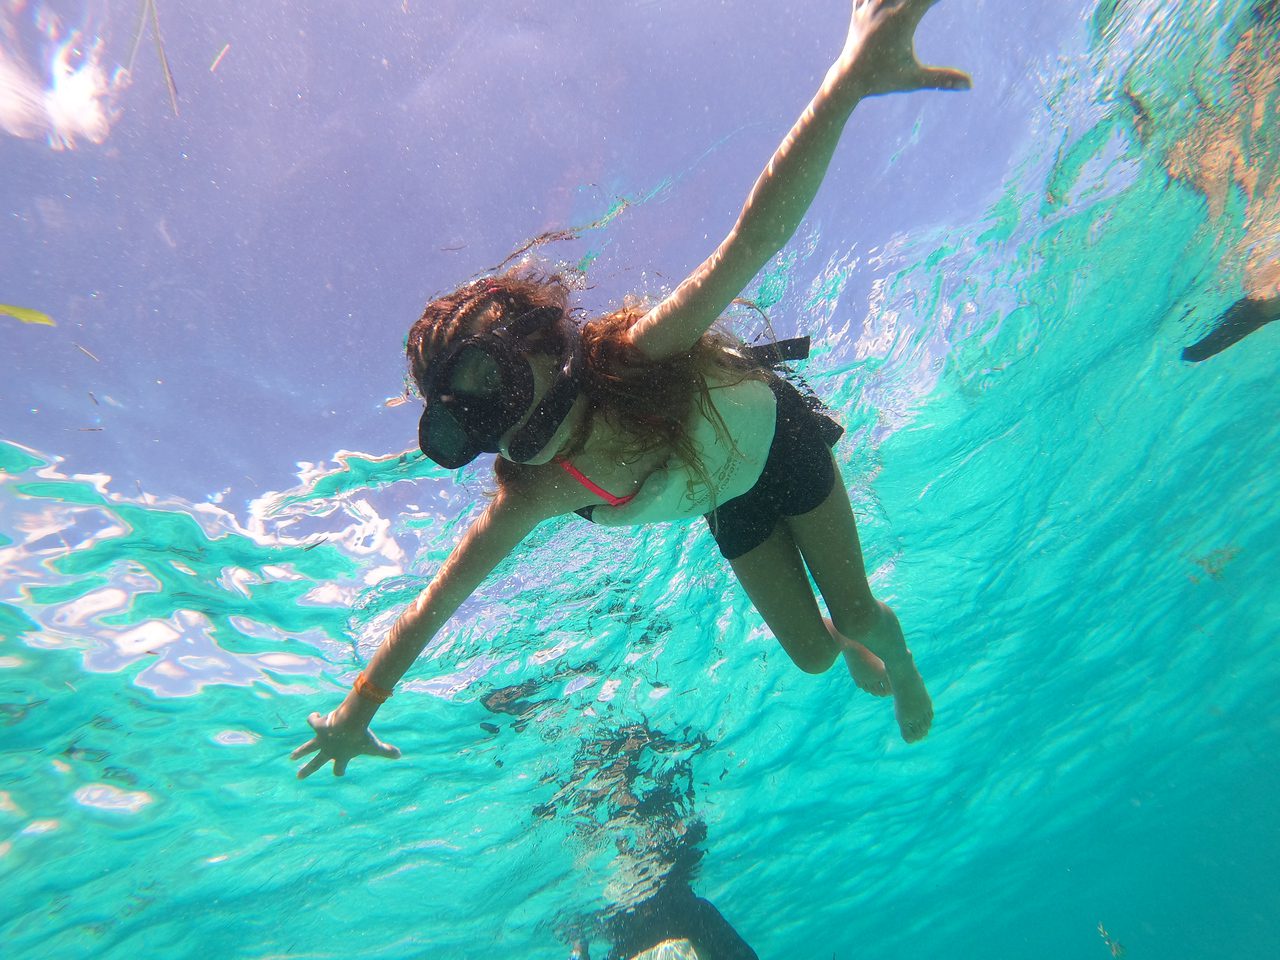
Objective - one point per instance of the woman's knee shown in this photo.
(812, 655)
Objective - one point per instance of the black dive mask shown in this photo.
(481, 387)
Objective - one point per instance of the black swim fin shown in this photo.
(1241, 319)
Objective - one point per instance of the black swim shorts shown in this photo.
(797, 476)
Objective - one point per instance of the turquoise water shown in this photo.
(1077, 529)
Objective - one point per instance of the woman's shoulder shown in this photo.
(546, 488)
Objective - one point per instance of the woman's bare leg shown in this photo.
(827, 538)
(774, 576)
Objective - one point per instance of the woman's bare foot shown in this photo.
(896, 673)
(865, 667)
(868, 671)
(911, 701)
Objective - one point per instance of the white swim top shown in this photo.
(732, 456)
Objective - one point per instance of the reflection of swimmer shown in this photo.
(652, 415)
(1234, 149)
(635, 789)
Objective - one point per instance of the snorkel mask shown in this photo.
(478, 389)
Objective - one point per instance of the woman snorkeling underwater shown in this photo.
(645, 416)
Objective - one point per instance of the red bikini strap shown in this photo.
(600, 492)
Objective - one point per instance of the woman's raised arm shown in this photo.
(878, 57)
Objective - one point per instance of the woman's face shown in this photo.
(478, 373)
(545, 369)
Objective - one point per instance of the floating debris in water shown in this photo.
(1214, 562)
(1116, 948)
(24, 315)
(149, 8)
(218, 59)
(87, 354)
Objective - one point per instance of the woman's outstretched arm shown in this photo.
(343, 734)
(878, 57)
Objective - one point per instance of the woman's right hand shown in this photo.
(339, 738)
(880, 57)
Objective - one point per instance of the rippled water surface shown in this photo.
(1077, 528)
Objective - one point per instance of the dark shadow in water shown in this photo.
(1241, 319)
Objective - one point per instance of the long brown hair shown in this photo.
(648, 402)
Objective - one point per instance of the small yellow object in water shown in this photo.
(26, 316)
